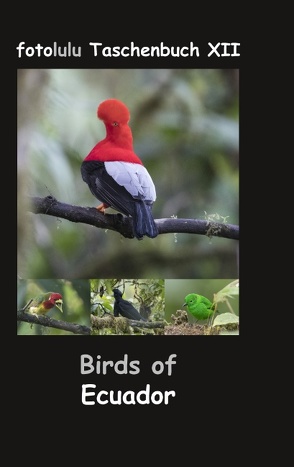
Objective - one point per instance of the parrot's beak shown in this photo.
(184, 304)
(59, 304)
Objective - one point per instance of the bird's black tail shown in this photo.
(144, 223)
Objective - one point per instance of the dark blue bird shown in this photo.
(124, 308)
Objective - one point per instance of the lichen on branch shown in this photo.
(123, 225)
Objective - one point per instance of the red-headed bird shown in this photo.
(41, 304)
(116, 175)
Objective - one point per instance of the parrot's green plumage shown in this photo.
(199, 306)
(41, 304)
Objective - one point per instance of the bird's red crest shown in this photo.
(113, 110)
(55, 296)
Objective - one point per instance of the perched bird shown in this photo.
(115, 174)
(199, 306)
(124, 308)
(41, 304)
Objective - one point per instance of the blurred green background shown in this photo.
(177, 289)
(76, 303)
(185, 125)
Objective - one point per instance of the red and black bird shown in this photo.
(116, 175)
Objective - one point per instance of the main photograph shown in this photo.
(162, 202)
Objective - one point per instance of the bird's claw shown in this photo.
(102, 207)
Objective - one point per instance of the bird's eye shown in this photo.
(115, 124)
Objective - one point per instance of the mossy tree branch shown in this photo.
(123, 225)
(109, 321)
(121, 325)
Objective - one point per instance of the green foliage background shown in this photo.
(185, 125)
(140, 292)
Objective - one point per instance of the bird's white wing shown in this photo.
(134, 178)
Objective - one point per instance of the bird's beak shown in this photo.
(59, 304)
(184, 304)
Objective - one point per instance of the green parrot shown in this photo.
(41, 304)
(199, 306)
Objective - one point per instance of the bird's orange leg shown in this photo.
(102, 207)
